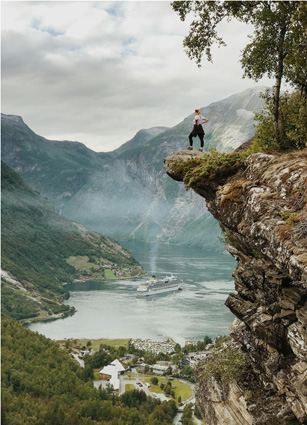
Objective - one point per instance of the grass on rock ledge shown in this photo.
(212, 166)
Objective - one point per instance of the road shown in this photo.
(80, 361)
(124, 380)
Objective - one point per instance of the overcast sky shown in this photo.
(97, 72)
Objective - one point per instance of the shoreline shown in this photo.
(87, 279)
(43, 318)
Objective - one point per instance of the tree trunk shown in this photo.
(278, 123)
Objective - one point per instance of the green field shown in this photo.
(109, 274)
(112, 342)
(129, 387)
(130, 375)
(81, 262)
(182, 389)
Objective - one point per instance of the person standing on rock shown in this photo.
(198, 130)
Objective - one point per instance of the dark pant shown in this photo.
(197, 131)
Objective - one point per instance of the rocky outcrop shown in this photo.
(262, 208)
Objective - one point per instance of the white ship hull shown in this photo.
(158, 291)
(155, 287)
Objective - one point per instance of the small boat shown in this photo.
(159, 286)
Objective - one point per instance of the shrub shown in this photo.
(154, 380)
(227, 365)
(290, 217)
(293, 110)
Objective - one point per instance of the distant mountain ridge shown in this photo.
(139, 140)
(125, 193)
(41, 250)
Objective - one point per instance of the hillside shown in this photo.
(42, 249)
(42, 384)
(125, 193)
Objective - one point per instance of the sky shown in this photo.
(98, 72)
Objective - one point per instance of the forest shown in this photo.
(43, 385)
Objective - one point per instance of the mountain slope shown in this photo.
(42, 249)
(141, 137)
(125, 193)
(57, 169)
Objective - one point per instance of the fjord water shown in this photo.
(111, 309)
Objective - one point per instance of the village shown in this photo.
(171, 376)
(163, 370)
(166, 347)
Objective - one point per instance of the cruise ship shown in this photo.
(156, 286)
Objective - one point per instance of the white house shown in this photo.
(192, 358)
(159, 369)
(111, 373)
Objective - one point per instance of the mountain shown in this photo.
(125, 193)
(42, 249)
(140, 139)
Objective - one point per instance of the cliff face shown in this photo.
(262, 208)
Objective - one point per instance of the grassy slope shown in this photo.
(183, 390)
(36, 243)
(95, 343)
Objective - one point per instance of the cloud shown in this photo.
(97, 72)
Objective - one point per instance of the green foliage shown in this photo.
(290, 217)
(16, 305)
(279, 32)
(167, 389)
(187, 371)
(293, 109)
(151, 358)
(197, 413)
(42, 385)
(212, 166)
(295, 59)
(219, 341)
(198, 346)
(187, 414)
(154, 380)
(99, 359)
(277, 46)
(227, 365)
(105, 355)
